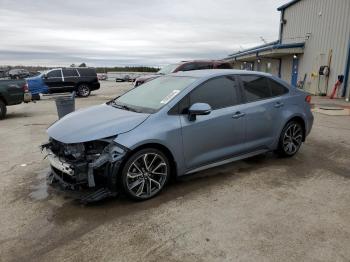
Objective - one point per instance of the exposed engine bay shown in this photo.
(86, 165)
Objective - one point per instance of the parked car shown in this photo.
(102, 77)
(184, 66)
(58, 80)
(123, 78)
(12, 92)
(18, 73)
(178, 124)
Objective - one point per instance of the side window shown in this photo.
(54, 73)
(255, 87)
(223, 66)
(201, 66)
(276, 88)
(70, 72)
(218, 93)
(188, 67)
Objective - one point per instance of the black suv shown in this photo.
(82, 80)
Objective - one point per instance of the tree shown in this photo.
(72, 65)
(82, 65)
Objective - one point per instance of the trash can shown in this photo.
(65, 105)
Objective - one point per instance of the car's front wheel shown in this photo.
(291, 139)
(145, 174)
(83, 90)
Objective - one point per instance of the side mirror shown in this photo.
(45, 76)
(198, 109)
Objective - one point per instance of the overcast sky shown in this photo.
(131, 32)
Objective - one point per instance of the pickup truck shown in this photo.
(13, 92)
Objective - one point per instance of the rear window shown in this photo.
(70, 73)
(224, 66)
(54, 73)
(188, 67)
(87, 72)
(276, 88)
(255, 87)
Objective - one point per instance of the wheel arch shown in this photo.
(158, 146)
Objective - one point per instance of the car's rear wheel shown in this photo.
(83, 90)
(291, 139)
(3, 109)
(145, 174)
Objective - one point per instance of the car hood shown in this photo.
(93, 123)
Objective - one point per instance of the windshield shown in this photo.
(168, 69)
(151, 96)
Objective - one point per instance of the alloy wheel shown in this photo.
(84, 90)
(146, 175)
(292, 139)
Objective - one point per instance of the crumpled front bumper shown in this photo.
(94, 180)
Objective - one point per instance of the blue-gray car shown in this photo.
(176, 125)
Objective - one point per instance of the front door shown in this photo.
(54, 80)
(295, 71)
(219, 135)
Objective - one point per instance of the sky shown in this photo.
(131, 32)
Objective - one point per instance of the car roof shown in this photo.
(216, 72)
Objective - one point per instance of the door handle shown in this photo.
(278, 104)
(238, 114)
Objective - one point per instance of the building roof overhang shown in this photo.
(286, 5)
(272, 50)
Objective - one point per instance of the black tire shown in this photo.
(3, 109)
(83, 90)
(141, 183)
(291, 139)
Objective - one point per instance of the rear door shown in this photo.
(71, 77)
(263, 111)
(54, 80)
(220, 134)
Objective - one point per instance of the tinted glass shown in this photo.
(188, 67)
(276, 88)
(152, 95)
(218, 93)
(201, 66)
(223, 66)
(255, 87)
(87, 72)
(70, 73)
(54, 73)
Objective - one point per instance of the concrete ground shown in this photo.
(261, 209)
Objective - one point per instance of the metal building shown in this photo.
(313, 46)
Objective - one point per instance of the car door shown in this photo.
(70, 77)
(54, 80)
(262, 111)
(218, 135)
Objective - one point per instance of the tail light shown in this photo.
(25, 87)
(308, 99)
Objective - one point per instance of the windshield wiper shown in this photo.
(123, 107)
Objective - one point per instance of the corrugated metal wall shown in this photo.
(328, 23)
(286, 69)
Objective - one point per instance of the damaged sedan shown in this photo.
(175, 125)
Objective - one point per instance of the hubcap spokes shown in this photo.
(292, 139)
(84, 90)
(147, 175)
